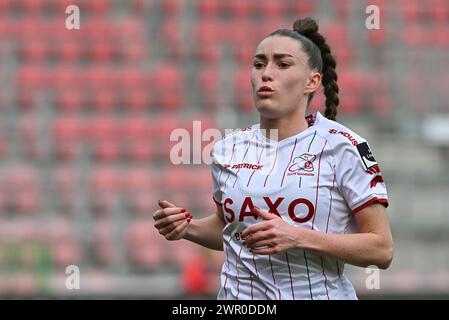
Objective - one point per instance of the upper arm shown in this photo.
(219, 212)
(374, 219)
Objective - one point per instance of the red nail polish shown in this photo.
(183, 210)
(188, 220)
(187, 215)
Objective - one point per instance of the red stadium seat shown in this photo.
(107, 150)
(105, 179)
(208, 80)
(145, 246)
(142, 203)
(68, 50)
(239, 9)
(209, 7)
(103, 241)
(134, 51)
(66, 253)
(70, 100)
(270, 9)
(35, 49)
(137, 128)
(139, 151)
(137, 100)
(104, 127)
(102, 50)
(27, 202)
(104, 99)
(243, 90)
(172, 7)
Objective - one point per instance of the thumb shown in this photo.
(165, 204)
(263, 214)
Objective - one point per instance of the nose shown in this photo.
(267, 74)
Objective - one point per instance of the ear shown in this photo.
(313, 82)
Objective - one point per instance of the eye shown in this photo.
(258, 65)
(284, 65)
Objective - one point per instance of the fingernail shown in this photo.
(188, 220)
(183, 210)
(187, 215)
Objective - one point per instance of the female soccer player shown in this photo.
(291, 209)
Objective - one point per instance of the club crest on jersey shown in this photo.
(302, 165)
(367, 156)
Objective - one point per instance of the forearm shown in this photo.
(207, 232)
(360, 249)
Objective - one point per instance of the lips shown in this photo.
(265, 89)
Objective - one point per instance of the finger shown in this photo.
(261, 226)
(165, 204)
(264, 251)
(264, 214)
(161, 223)
(162, 213)
(173, 234)
(166, 230)
(258, 236)
(261, 244)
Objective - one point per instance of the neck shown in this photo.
(287, 126)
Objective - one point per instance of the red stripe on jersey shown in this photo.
(290, 274)
(251, 276)
(232, 156)
(366, 204)
(318, 185)
(330, 204)
(226, 275)
(376, 180)
(274, 280)
(238, 273)
(258, 162)
(275, 158)
(236, 177)
(288, 164)
(325, 278)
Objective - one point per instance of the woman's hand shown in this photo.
(172, 222)
(273, 235)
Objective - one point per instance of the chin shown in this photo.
(268, 112)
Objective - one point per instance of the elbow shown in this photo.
(385, 257)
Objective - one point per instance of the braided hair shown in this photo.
(320, 58)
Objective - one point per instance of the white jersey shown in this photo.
(317, 179)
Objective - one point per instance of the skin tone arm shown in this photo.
(372, 246)
(174, 224)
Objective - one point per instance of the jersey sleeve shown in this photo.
(358, 176)
(216, 171)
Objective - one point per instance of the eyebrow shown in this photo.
(276, 56)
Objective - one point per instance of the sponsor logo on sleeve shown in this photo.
(367, 156)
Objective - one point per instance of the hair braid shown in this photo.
(309, 29)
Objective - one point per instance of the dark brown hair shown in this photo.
(319, 58)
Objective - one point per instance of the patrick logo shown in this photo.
(303, 162)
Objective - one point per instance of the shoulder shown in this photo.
(338, 135)
(226, 145)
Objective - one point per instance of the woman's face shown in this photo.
(280, 77)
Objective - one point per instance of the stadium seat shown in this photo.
(139, 151)
(104, 127)
(66, 253)
(209, 7)
(107, 150)
(145, 246)
(137, 100)
(69, 100)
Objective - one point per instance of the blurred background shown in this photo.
(86, 115)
